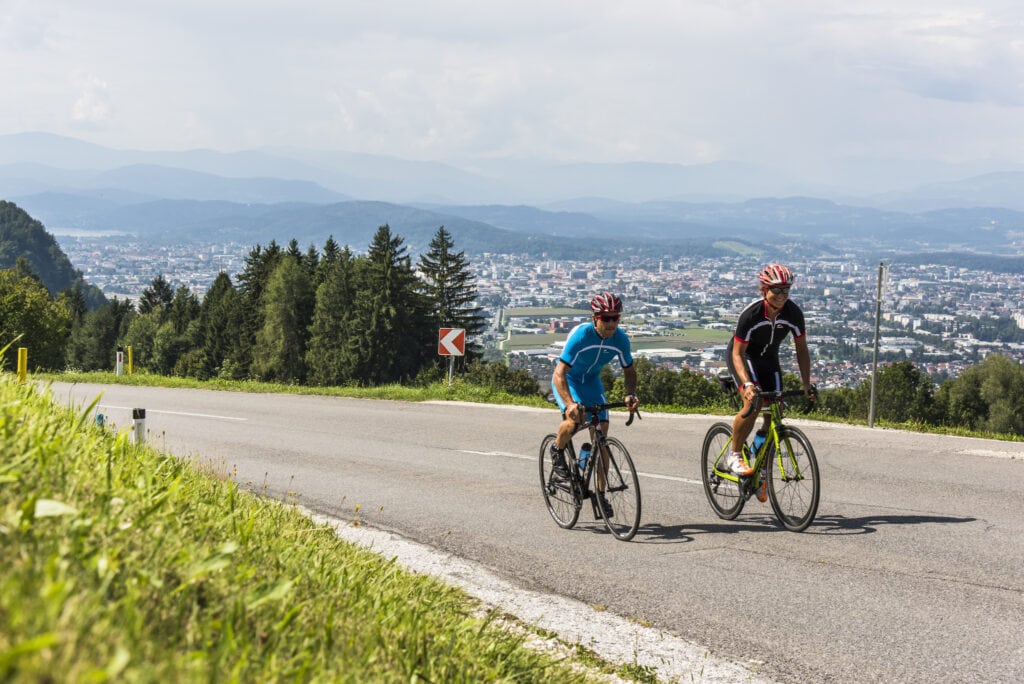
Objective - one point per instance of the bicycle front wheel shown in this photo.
(723, 494)
(622, 492)
(794, 485)
(559, 494)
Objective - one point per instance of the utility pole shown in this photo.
(874, 356)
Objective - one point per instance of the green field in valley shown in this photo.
(691, 338)
(544, 312)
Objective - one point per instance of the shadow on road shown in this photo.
(839, 524)
(654, 533)
(832, 524)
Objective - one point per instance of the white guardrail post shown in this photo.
(139, 425)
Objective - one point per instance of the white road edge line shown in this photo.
(613, 638)
(174, 413)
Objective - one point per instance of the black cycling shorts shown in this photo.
(765, 373)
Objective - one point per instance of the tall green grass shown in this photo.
(124, 564)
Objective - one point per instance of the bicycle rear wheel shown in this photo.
(622, 492)
(794, 485)
(559, 494)
(723, 494)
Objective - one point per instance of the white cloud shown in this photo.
(92, 110)
(793, 82)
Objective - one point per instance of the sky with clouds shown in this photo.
(789, 83)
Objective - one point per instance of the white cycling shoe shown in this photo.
(737, 466)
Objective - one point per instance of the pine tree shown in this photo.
(450, 289)
(311, 261)
(391, 318)
(252, 283)
(333, 346)
(331, 252)
(214, 329)
(280, 350)
(159, 294)
(184, 309)
(326, 261)
(74, 299)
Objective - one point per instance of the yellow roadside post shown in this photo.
(129, 359)
(22, 363)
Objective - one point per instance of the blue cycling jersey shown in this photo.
(586, 353)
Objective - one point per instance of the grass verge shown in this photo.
(122, 563)
(438, 391)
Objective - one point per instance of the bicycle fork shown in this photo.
(599, 460)
(788, 472)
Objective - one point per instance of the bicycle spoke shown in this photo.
(721, 488)
(622, 492)
(794, 482)
(559, 496)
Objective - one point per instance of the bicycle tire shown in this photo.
(622, 492)
(794, 483)
(559, 494)
(724, 495)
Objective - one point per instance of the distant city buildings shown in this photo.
(924, 307)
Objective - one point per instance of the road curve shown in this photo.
(912, 572)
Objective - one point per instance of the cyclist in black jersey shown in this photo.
(753, 353)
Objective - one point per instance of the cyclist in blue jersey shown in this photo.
(753, 354)
(577, 377)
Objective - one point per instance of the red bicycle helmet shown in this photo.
(776, 274)
(606, 302)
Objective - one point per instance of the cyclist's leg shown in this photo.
(567, 427)
(741, 426)
(774, 384)
(590, 393)
(601, 480)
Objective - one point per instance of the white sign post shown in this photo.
(451, 342)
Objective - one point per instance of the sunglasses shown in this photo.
(779, 290)
(608, 318)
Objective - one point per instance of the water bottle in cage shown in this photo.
(584, 455)
(758, 441)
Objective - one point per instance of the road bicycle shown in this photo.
(785, 462)
(609, 465)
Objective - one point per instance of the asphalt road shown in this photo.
(912, 572)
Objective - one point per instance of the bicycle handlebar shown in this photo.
(597, 408)
(759, 394)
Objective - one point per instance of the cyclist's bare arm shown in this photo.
(747, 387)
(561, 384)
(629, 381)
(803, 359)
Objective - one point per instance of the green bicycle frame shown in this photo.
(770, 446)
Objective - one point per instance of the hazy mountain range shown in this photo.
(258, 195)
